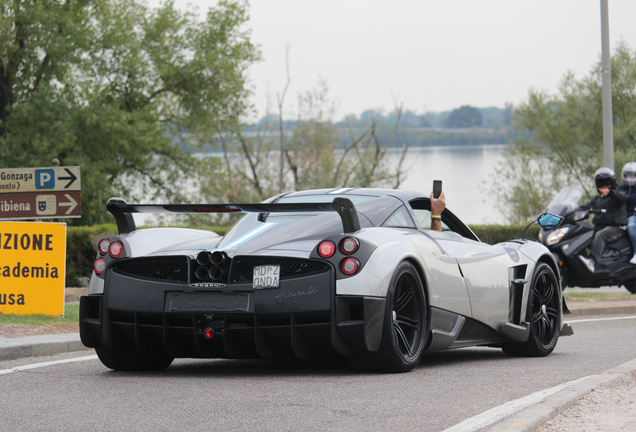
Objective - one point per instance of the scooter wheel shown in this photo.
(631, 286)
(564, 277)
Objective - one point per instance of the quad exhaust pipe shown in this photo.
(213, 266)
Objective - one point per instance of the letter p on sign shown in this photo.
(44, 179)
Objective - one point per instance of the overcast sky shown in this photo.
(428, 55)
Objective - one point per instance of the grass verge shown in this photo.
(595, 295)
(71, 316)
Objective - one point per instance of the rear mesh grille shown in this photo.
(175, 269)
(172, 269)
(244, 268)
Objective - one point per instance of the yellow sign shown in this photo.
(32, 268)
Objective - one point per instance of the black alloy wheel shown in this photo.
(543, 316)
(406, 317)
(405, 325)
(545, 312)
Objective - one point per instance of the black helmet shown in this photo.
(604, 177)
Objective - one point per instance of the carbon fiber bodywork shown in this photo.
(149, 305)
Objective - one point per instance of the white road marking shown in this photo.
(601, 319)
(499, 413)
(45, 364)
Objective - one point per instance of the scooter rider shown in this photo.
(629, 187)
(610, 215)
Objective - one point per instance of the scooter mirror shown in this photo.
(549, 220)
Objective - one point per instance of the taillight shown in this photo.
(103, 246)
(99, 265)
(349, 245)
(115, 249)
(326, 249)
(350, 266)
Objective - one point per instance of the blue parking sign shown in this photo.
(44, 179)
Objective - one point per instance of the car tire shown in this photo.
(405, 325)
(132, 361)
(542, 314)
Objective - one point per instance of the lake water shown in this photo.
(467, 173)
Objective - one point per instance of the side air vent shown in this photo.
(518, 280)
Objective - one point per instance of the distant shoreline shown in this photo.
(399, 149)
(454, 146)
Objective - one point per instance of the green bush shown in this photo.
(81, 243)
(493, 234)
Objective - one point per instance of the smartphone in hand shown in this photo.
(437, 188)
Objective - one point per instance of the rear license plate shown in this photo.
(266, 276)
(206, 302)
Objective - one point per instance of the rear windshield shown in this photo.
(373, 209)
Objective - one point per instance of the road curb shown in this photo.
(533, 417)
(35, 346)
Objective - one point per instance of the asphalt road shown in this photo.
(446, 388)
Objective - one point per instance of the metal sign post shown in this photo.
(606, 68)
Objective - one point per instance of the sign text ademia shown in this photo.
(32, 268)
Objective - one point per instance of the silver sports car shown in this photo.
(354, 273)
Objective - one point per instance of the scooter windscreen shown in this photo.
(566, 200)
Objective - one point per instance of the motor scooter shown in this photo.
(574, 237)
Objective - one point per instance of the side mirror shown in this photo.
(549, 220)
(546, 220)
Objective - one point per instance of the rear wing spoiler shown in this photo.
(123, 211)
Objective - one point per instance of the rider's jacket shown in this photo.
(614, 205)
(630, 204)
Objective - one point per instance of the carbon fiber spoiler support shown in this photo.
(123, 211)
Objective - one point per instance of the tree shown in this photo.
(408, 118)
(464, 117)
(315, 155)
(565, 143)
(371, 114)
(318, 157)
(122, 90)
